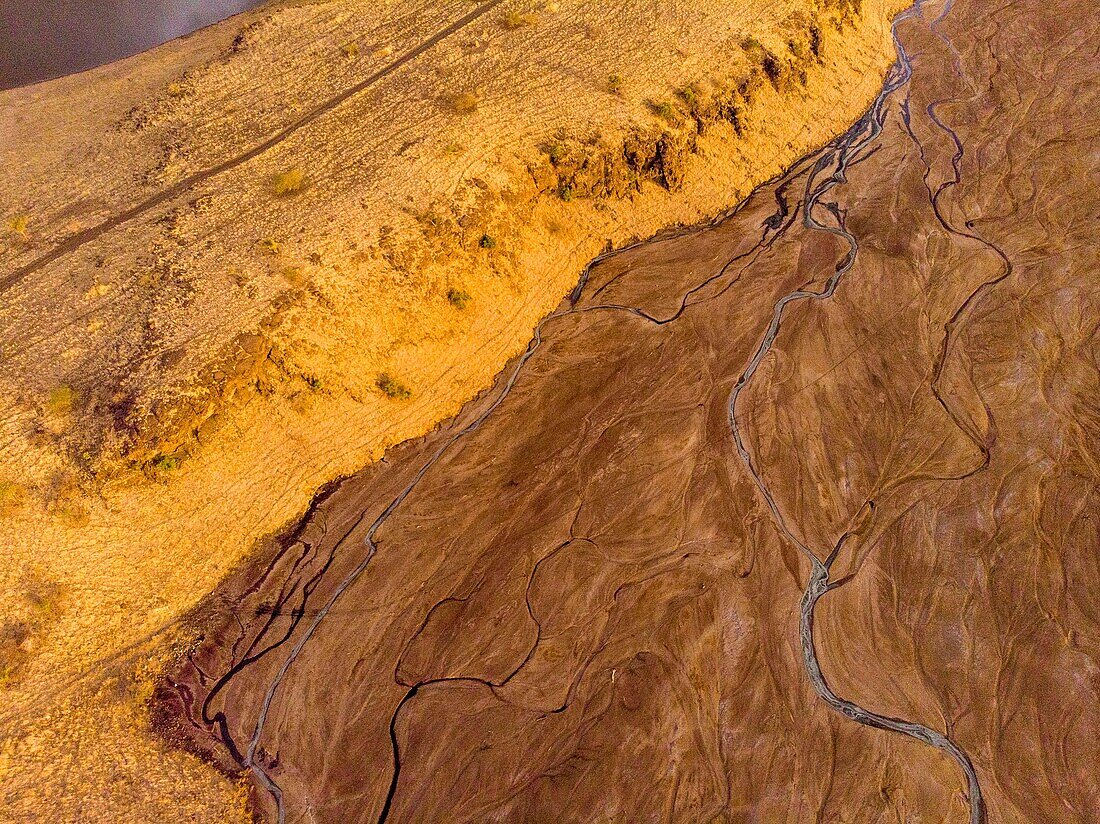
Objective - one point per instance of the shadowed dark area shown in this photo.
(45, 39)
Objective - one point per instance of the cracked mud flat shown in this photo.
(863, 406)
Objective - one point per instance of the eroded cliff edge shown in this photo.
(243, 264)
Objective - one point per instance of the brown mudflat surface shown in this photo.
(578, 602)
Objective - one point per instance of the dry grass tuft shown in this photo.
(17, 225)
(289, 182)
(516, 20)
(61, 400)
(14, 636)
(67, 500)
(35, 606)
(465, 103)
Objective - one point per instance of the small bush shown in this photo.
(815, 40)
(555, 151)
(752, 44)
(614, 83)
(269, 246)
(290, 182)
(487, 242)
(465, 103)
(458, 298)
(565, 193)
(61, 400)
(350, 50)
(664, 110)
(392, 388)
(17, 225)
(165, 464)
(515, 20)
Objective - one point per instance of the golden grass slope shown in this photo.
(243, 264)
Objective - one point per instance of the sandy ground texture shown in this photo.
(789, 519)
(242, 265)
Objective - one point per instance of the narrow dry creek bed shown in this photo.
(842, 442)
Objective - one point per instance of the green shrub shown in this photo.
(164, 464)
(565, 193)
(487, 242)
(614, 83)
(555, 152)
(392, 388)
(664, 110)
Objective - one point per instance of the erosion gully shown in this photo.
(823, 171)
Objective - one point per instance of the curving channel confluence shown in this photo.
(835, 159)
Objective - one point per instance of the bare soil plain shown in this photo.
(790, 518)
(245, 263)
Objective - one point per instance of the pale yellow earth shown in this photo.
(214, 251)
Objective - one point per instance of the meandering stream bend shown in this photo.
(578, 600)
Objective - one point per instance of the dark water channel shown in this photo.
(44, 39)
